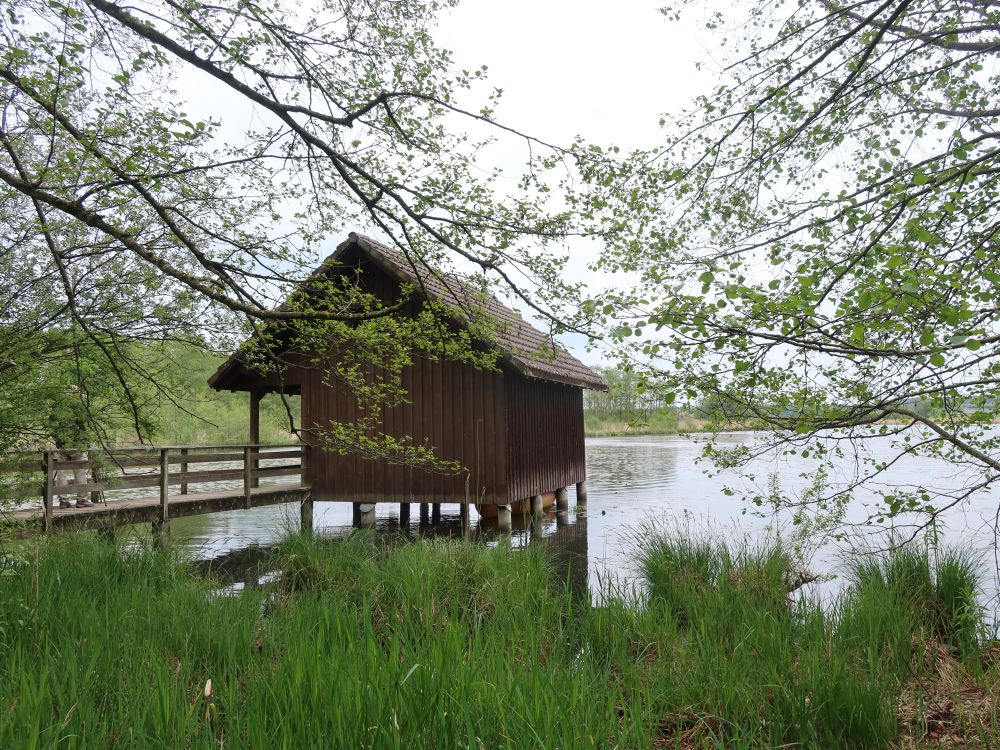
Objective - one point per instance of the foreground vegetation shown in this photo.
(368, 642)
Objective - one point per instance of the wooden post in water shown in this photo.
(355, 514)
(581, 494)
(247, 477)
(536, 505)
(424, 514)
(367, 515)
(306, 506)
(536, 513)
(463, 510)
(306, 513)
(161, 527)
(504, 518)
(562, 499)
(48, 498)
(184, 468)
(436, 513)
(404, 514)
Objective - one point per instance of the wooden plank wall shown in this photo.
(456, 408)
(516, 437)
(545, 447)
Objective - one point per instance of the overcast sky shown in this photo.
(605, 70)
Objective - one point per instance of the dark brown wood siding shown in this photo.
(545, 448)
(453, 408)
(515, 437)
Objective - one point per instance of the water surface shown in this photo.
(631, 481)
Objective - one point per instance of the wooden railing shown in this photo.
(165, 467)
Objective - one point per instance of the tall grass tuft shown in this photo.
(374, 642)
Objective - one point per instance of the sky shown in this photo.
(605, 70)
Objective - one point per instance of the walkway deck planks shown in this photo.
(147, 509)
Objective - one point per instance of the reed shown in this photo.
(376, 642)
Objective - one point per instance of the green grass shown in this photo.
(371, 642)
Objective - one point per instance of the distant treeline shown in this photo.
(201, 415)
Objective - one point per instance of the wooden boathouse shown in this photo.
(517, 430)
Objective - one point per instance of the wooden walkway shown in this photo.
(172, 470)
(113, 513)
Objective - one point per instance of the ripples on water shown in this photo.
(630, 481)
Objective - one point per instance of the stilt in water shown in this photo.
(562, 499)
(306, 514)
(367, 515)
(466, 524)
(355, 514)
(504, 519)
(404, 514)
(424, 514)
(161, 533)
(436, 513)
(536, 513)
(581, 494)
(108, 534)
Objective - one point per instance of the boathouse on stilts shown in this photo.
(517, 430)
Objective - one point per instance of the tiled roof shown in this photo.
(520, 345)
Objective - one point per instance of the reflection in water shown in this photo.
(630, 481)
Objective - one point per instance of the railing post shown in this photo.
(247, 476)
(95, 495)
(184, 468)
(161, 527)
(306, 506)
(48, 493)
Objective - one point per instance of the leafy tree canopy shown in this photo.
(817, 238)
(131, 220)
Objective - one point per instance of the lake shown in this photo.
(631, 481)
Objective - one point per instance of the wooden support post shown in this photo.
(108, 534)
(536, 513)
(306, 513)
(562, 499)
(95, 495)
(504, 518)
(436, 513)
(536, 505)
(184, 468)
(247, 477)
(367, 515)
(425, 513)
(581, 494)
(355, 514)
(463, 510)
(305, 462)
(49, 496)
(404, 514)
(255, 396)
(161, 526)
